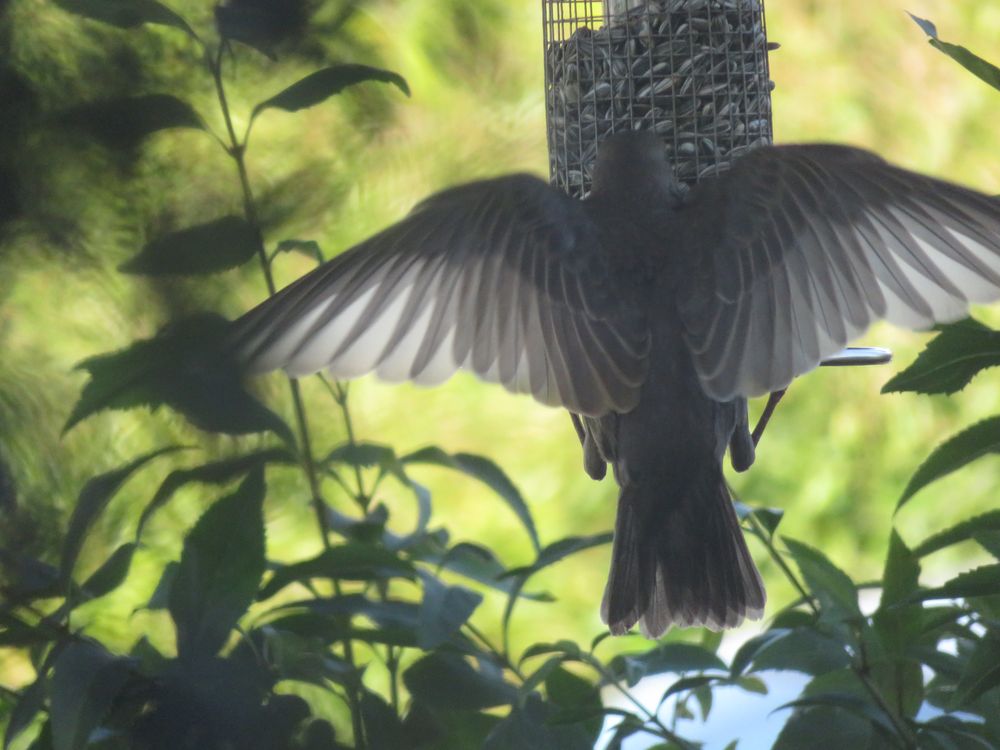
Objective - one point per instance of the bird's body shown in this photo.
(679, 555)
(650, 313)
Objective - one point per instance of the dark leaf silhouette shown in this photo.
(950, 360)
(124, 122)
(207, 248)
(184, 367)
(126, 14)
(219, 571)
(321, 85)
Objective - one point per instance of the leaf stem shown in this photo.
(862, 670)
(237, 150)
(502, 657)
(339, 391)
(768, 541)
(392, 664)
(650, 716)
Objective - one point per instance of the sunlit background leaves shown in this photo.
(836, 457)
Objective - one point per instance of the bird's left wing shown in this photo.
(797, 249)
(503, 277)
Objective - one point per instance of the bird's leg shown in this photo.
(772, 402)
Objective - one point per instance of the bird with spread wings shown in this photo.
(651, 313)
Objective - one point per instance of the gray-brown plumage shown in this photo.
(650, 313)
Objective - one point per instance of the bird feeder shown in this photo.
(695, 72)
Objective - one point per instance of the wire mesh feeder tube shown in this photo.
(693, 71)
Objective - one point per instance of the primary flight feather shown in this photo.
(650, 312)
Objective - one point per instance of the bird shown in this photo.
(651, 312)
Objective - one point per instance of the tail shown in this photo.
(680, 560)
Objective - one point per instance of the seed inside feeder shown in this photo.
(693, 71)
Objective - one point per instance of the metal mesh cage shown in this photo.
(693, 71)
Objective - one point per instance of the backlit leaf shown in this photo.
(207, 248)
(220, 568)
(979, 440)
(322, 84)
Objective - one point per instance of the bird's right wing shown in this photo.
(503, 277)
(797, 249)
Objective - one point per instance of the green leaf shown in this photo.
(824, 728)
(982, 581)
(309, 248)
(848, 702)
(123, 123)
(207, 248)
(704, 696)
(220, 568)
(397, 621)
(536, 678)
(366, 455)
(769, 518)
(160, 598)
(979, 440)
(897, 622)
(989, 541)
(16, 633)
(565, 647)
(85, 681)
(667, 657)
(184, 367)
(950, 360)
(111, 574)
(983, 70)
(960, 532)
(348, 562)
(25, 710)
(383, 729)
(577, 701)
(215, 472)
(749, 650)
(752, 684)
(25, 578)
(901, 682)
(306, 658)
(322, 84)
(443, 610)
(93, 499)
(474, 562)
(951, 733)
(445, 680)
(126, 14)
(447, 730)
(902, 571)
(486, 472)
(800, 650)
(552, 554)
(560, 550)
(835, 591)
(530, 727)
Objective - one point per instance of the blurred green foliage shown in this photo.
(836, 456)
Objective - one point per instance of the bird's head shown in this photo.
(634, 163)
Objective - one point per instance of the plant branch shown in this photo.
(237, 150)
(502, 657)
(768, 541)
(338, 391)
(650, 716)
(862, 670)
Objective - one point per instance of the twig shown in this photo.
(237, 150)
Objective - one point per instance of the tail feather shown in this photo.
(680, 560)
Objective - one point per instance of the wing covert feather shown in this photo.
(502, 277)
